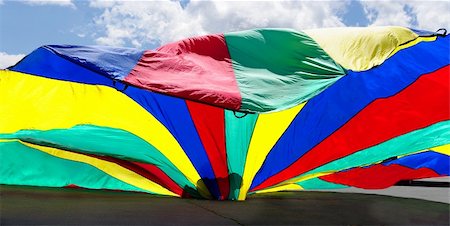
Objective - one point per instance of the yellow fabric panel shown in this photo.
(268, 129)
(288, 187)
(444, 149)
(304, 177)
(416, 41)
(361, 48)
(109, 168)
(33, 102)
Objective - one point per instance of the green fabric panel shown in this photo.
(279, 68)
(435, 135)
(22, 165)
(238, 132)
(103, 141)
(316, 183)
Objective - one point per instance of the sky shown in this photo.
(27, 24)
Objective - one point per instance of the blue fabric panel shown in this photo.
(172, 112)
(331, 109)
(111, 62)
(47, 64)
(174, 115)
(438, 162)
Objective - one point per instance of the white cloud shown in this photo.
(102, 3)
(432, 15)
(140, 23)
(67, 3)
(150, 22)
(427, 15)
(229, 16)
(7, 60)
(382, 13)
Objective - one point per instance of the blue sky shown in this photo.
(28, 24)
(26, 27)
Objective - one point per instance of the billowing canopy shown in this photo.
(226, 115)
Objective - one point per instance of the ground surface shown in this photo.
(51, 206)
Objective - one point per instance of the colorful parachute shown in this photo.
(223, 116)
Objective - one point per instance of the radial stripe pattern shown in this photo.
(223, 116)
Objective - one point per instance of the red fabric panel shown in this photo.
(197, 69)
(155, 174)
(421, 104)
(210, 124)
(378, 176)
(146, 170)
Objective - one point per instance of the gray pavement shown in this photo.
(51, 206)
(436, 194)
(424, 193)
